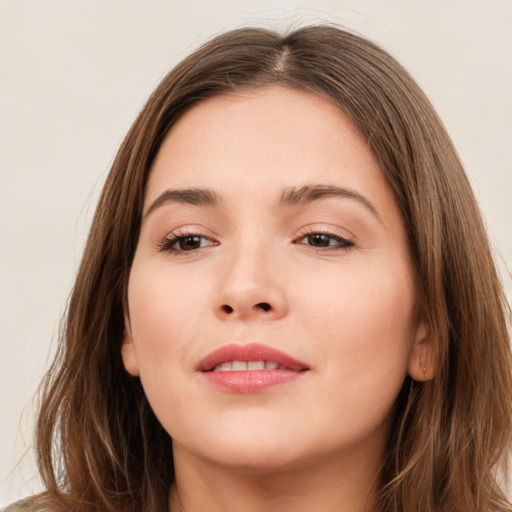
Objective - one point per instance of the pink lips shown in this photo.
(250, 381)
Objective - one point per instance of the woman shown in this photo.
(287, 300)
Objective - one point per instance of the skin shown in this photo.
(347, 309)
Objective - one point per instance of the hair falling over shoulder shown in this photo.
(99, 445)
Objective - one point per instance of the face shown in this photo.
(271, 304)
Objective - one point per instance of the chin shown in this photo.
(256, 459)
(246, 450)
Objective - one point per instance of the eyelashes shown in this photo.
(323, 240)
(185, 242)
(318, 240)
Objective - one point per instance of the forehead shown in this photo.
(276, 131)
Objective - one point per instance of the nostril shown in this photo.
(264, 306)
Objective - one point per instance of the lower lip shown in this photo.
(251, 381)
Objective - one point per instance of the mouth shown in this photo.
(242, 366)
(249, 368)
(252, 356)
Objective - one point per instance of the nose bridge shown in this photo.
(250, 285)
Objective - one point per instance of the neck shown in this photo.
(340, 485)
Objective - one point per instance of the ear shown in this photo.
(128, 353)
(421, 359)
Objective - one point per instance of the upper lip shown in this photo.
(249, 352)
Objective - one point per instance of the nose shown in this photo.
(251, 287)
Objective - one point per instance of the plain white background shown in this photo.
(74, 74)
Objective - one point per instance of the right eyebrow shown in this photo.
(195, 196)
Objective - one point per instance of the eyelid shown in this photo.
(167, 242)
(346, 242)
(327, 230)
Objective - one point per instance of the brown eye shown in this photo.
(325, 240)
(189, 243)
(185, 243)
(319, 240)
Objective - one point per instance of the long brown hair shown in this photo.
(99, 444)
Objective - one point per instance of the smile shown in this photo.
(240, 366)
(249, 368)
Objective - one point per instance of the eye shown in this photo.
(325, 241)
(185, 243)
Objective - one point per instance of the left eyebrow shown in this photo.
(195, 196)
(292, 196)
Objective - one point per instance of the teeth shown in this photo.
(230, 366)
(255, 365)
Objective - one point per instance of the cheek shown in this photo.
(164, 312)
(362, 322)
(372, 302)
(164, 317)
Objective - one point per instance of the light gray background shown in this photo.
(73, 75)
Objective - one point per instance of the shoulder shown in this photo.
(31, 504)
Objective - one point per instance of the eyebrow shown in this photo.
(305, 195)
(291, 196)
(195, 196)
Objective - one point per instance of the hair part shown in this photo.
(99, 444)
